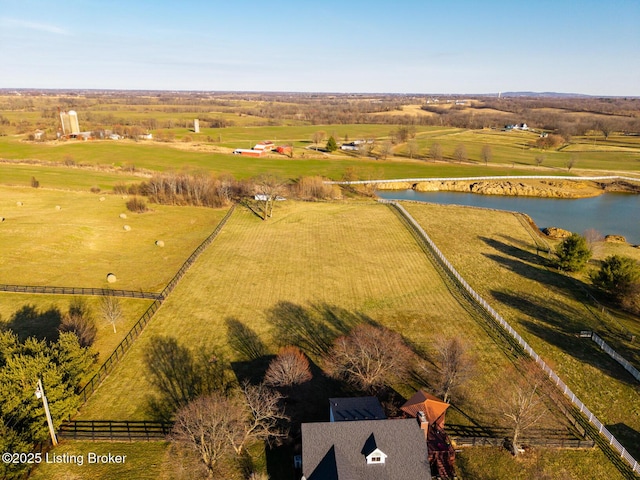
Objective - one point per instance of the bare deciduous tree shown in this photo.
(111, 310)
(386, 149)
(318, 137)
(455, 366)
(369, 357)
(522, 404)
(435, 152)
(487, 153)
(215, 425)
(539, 160)
(263, 418)
(412, 148)
(269, 187)
(290, 367)
(460, 153)
(204, 425)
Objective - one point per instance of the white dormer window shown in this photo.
(376, 457)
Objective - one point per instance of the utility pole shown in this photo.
(45, 404)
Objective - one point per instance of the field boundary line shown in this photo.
(495, 177)
(122, 348)
(597, 429)
(49, 290)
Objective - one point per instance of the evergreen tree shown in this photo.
(332, 146)
(618, 276)
(573, 253)
(59, 365)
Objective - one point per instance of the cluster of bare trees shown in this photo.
(213, 417)
(314, 188)
(200, 189)
(216, 425)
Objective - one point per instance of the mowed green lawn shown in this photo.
(350, 259)
(79, 243)
(493, 253)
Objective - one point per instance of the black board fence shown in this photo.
(78, 291)
(112, 430)
(136, 330)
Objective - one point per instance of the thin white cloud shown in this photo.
(40, 27)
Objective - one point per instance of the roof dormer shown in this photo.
(376, 457)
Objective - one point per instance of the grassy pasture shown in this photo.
(161, 157)
(144, 461)
(492, 251)
(347, 260)
(488, 463)
(515, 148)
(354, 261)
(83, 241)
(62, 177)
(512, 153)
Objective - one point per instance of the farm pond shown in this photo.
(609, 213)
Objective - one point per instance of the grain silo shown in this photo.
(70, 124)
(73, 121)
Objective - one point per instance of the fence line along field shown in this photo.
(74, 239)
(344, 263)
(492, 251)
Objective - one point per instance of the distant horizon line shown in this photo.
(523, 93)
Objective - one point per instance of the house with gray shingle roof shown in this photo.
(392, 449)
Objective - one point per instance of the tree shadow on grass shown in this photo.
(253, 208)
(28, 321)
(535, 268)
(627, 436)
(314, 328)
(557, 324)
(244, 340)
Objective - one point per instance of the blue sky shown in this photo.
(332, 46)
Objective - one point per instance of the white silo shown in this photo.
(73, 121)
(64, 121)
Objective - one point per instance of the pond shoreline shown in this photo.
(611, 214)
(535, 187)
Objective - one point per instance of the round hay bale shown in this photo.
(19, 204)
(111, 278)
(123, 215)
(159, 243)
(126, 228)
(58, 207)
(1, 219)
(102, 199)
